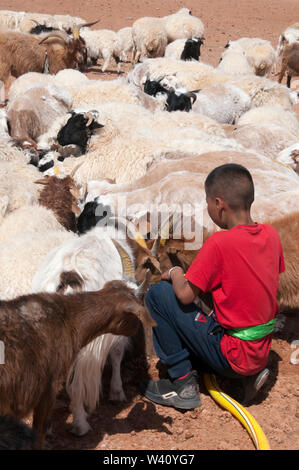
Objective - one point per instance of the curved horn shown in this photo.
(142, 288)
(75, 169)
(58, 34)
(190, 94)
(77, 27)
(127, 265)
(36, 22)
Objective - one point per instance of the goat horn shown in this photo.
(127, 265)
(136, 234)
(90, 117)
(42, 181)
(192, 95)
(139, 239)
(58, 34)
(75, 169)
(36, 22)
(76, 28)
(165, 229)
(142, 288)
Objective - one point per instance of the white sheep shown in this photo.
(288, 36)
(223, 102)
(264, 138)
(17, 186)
(126, 45)
(248, 55)
(29, 219)
(102, 43)
(183, 24)
(149, 38)
(20, 257)
(30, 114)
(266, 92)
(273, 115)
(64, 78)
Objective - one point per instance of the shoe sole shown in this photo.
(262, 380)
(186, 405)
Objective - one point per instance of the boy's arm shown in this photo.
(185, 291)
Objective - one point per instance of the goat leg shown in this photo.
(42, 413)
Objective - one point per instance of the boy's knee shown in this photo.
(158, 291)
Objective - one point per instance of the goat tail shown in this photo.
(15, 435)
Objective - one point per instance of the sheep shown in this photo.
(125, 40)
(266, 139)
(167, 181)
(192, 75)
(290, 156)
(289, 62)
(182, 49)
(234, 62)
(17, 186)
(102, 43)
(258, 53)
(29, 219)
(31, 114)
(55, 321)
(223, 102)
(22, 22)
(289, 36)
(96, 257)
(63, 78)
(22, 53)
(182, 25)
(149, 38)
(263, 91)
(21, 256)
(271, 114)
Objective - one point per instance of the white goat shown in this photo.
(96, 259)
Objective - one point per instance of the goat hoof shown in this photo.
(80, 430)
(117, 396)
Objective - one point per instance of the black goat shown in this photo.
(192, 49)
(152, 87)
(94, 213)
(78, 130)
(41, 28)
(177, 101)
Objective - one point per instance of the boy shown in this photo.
(240, 266)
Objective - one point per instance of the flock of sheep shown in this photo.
(72, 150)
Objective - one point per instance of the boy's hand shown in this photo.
(164, 276)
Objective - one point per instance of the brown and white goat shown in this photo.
(289, 62)
(61, 195)
(21, 53)
(43, 333)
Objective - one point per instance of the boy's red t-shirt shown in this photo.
(241, 268)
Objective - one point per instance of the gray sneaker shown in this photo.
(179, 393)
(253, 384)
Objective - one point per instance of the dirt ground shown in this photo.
(138, 423)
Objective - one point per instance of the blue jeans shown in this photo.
(184, 334)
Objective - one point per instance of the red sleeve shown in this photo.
(206, 270)
(281, 261)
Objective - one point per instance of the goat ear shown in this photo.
(44, 181)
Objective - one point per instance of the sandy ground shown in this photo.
(137, 423)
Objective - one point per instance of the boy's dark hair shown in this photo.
(233, 183)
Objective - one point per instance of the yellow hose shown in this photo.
(246, 419)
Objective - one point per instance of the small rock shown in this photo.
(188, 435)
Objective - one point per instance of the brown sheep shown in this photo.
(42, 335)
(289, 62)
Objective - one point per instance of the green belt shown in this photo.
(253, 332)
